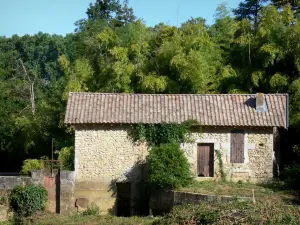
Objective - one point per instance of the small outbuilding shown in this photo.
(241, 128)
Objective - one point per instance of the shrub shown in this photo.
(91, 211)
(29, 165)
(232, 212)
(291, 176)
(168, 167)
(67, 156)
(25, 201)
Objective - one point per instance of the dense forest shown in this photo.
(253, 48)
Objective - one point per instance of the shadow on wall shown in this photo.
(132, 194)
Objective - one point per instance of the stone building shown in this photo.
(239, 129)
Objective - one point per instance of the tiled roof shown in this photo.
(208, 109)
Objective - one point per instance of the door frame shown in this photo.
(211, 158)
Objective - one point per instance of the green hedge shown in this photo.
(25, 201)
(168, 167)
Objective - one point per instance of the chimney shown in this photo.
(261, 105)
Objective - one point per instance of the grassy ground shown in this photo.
(218, 213)
(77, 219)
(274, 205)
(275, 191)
(233, 212)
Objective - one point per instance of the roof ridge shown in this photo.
(99, 93)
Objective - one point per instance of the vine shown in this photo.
(221, 166)
(156, 134)
(168, 166)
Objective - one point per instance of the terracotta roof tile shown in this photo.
(209, 110)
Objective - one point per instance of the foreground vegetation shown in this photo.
(50, 219)
(232, 213)
(207, 213)
(277, 191)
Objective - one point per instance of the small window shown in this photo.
(237, 146)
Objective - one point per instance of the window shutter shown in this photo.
(237, 147)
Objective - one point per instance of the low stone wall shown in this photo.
(7, 183)
(67, 186)
(162, 202)
(65, 197)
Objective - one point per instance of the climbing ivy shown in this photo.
(156, 134)
(221, 166)
(168, 166)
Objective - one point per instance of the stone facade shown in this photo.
(258, 153)
(105, 155)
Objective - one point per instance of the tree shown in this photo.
(295, 4)
(103, 9)
(30, 76)
(124, 15)
(109, 12)
(249, 9)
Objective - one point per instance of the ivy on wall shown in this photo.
(168, 166)
(221, 166)
(163, 133)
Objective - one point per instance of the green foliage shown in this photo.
(168, 167)
(91, 211)
(291, 176)
(221, 165)
(27, 200)
(67, 156)
(232, 212)
(156, 134)
(29, 165)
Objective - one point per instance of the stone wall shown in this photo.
(105, 155)
(7, 183)
(162, 202)
(67, 187)
(65, 193)
(258, 153)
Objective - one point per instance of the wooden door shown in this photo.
(237, 147)
(205, 160)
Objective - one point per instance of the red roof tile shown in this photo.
(209, 110)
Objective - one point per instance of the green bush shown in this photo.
(29, 165)
(168, 167)
(67, 156)
(291, 176)
(25, 201)
(91, 211)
